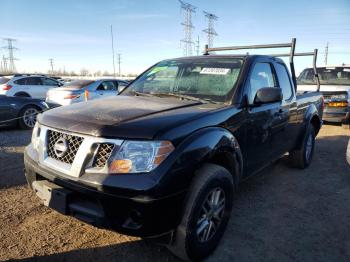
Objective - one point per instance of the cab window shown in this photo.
(260, 77)
(284, 81)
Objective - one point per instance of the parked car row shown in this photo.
(22, 97)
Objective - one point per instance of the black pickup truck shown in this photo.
(164, 159)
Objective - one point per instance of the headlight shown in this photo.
(139, 156)
(35, 136)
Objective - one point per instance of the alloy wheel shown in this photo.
(29, 117)
(211, 215)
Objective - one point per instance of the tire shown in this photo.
(302, 157)
(28, 117)
(208, 182)
(22, 95)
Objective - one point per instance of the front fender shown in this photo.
(200, 147)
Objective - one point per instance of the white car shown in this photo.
(83, 90)
(35, 86)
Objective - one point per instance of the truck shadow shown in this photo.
(138, 250)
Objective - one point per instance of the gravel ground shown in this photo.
(283, 214)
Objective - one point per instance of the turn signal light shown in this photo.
(7, 87)
(338, 104)
(120, 166)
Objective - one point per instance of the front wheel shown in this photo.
(28, 117)
(302, 157)
(207, 211)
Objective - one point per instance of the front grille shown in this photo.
(104, 151)
(73, 142)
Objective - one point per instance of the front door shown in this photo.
(263, 127)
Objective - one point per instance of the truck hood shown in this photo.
(132, 117)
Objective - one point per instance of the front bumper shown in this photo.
(137, 215)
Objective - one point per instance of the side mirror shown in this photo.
(268, 95)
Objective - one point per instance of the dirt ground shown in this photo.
(283, 214)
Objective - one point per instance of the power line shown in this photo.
(113, 50)
(210, 31)
(11, 68)
(187, 42)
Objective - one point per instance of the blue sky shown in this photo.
(76, 34)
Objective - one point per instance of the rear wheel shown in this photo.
(28, 117)
(208, 209)
(302, 157)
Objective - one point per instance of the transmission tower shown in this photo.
(4, 64)
(11, 68)
(326, 55)
(210, 31)
(187, 42)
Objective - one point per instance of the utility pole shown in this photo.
(210, 31)
(11, 59)
(326, 55)
(51, 64)
(119, 61)
(187, 42)
(197, 46)
(113, 50)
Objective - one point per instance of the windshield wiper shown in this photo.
(193, 98)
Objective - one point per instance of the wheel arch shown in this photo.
(24, 107)
(22, 93)
(214, 145)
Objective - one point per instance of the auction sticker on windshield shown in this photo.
(215, 71)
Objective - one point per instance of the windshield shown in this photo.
(327, 75)
(79, 83)
(211, 79)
